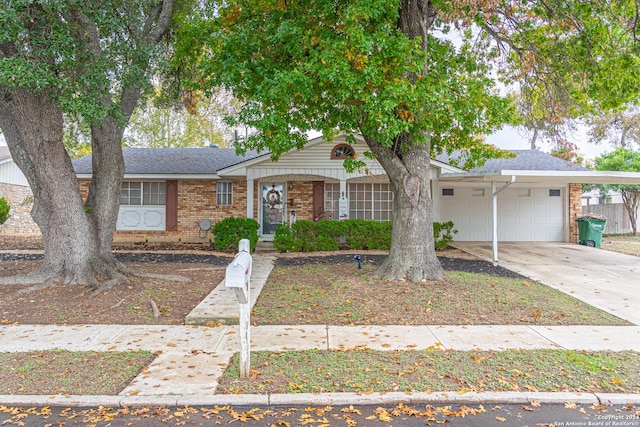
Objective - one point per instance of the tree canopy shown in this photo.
(620, 128)
(622, 159)
(90, 61)
(392, 71)
(578, 61)
(328, 66)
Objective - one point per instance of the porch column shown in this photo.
(343, 187)
(249, 196)
(494, 214)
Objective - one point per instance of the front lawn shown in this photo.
(68, 372)
(622, 243)
(367, 371)
(340, 294)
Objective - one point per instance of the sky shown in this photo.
(513, 139)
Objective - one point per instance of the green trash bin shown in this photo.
(590, 230)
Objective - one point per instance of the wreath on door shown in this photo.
(273, 197)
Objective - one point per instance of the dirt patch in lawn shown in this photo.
(125, 304)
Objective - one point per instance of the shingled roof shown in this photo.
(524, 160)
(172, 161)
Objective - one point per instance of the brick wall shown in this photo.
(20, 199)
(196, 202)
(300, 199)
(575, 210)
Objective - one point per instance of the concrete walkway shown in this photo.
(607, 280)
(191, 358)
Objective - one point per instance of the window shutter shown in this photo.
(172, 205)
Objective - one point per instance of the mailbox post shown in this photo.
(238, 278)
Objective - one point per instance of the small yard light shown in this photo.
(358, 260)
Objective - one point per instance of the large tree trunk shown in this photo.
(412, 253)
(33, 130)
(103, 200)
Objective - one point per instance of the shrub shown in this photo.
(442, 234)
(228, 233)
(369, 234)
(284, 240)
(4, 210)
(326, 235)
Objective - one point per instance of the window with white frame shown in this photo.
(382, 202)
(224, 193)
(370, 201)
(149, 193)
(366, 201)
(331, 199)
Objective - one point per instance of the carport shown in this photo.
(500, 180)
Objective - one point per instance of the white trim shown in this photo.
(544, 176)
(250, 192)
(445, 167)
(159, 177)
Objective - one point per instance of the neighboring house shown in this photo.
(174, 193)
(611, 206)
(595, 197)
(16, 191)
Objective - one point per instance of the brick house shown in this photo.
(16, 191)
(174, 194)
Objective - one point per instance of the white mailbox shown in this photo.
(238, 278)
(238, 274)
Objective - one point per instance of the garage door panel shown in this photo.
(524, 214)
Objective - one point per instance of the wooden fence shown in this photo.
(616, 214)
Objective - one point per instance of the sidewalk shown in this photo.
(192, 358)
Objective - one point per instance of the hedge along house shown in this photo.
(174, 194)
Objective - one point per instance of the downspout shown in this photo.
(494, 212)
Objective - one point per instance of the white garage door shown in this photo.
(525, 214)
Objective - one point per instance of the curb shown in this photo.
(324, 399)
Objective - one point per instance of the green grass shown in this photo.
(66, 372)
(622, 243)
(322, 294)
(364, 371)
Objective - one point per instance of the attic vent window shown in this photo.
(447, 191)
(554, 193)
(342, 151)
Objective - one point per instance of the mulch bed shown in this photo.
(448, 263)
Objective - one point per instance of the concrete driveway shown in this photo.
(603, 279)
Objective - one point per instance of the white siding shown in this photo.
(10, 173)
(316, 160)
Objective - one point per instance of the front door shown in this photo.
(272, 208)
